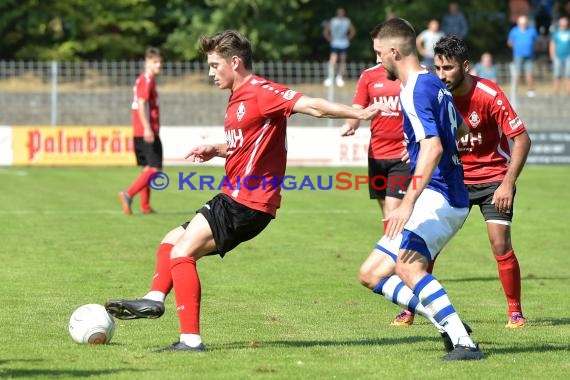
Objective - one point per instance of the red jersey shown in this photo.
(492, 121)
(386, 133)
(145, 88)
(255, 126)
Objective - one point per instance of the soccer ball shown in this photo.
(91, 324)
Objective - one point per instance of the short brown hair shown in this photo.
(397, 28)
(228, 43)
(152, 52)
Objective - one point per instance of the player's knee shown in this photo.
(500, 247)
(173, 235)
(367, 278)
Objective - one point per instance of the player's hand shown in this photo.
(372, 110)
(202, 153)
(397, 219)
(347, 130)
(503, 198)
(148, 136)
(405, 156)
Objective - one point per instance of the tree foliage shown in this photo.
(287, 30)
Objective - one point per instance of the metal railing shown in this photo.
(99, 93)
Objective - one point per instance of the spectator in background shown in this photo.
(338, 32)
(485, 68)
(518, 8)
(521, 39)
(426, 41)
(560, 56)
(454, 22)
(542, 11)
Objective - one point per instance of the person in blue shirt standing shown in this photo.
(560, 56)
(436, 203)
(521, 39)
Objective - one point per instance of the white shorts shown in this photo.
(433, 220)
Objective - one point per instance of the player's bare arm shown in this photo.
(148, 135)
(350, 125)
(203, 153)
(323, 108)
(431, 151)
(503, 196)
(462, 131)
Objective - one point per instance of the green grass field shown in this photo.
(286, 305)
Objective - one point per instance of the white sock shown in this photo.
(457, 333)
(404, 297)
(192, 340)
(155, 295)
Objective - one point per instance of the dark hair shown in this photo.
(228, 43)
(452, 47)
(400, 29)
(151, 52)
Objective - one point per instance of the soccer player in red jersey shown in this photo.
(146, 128)
(490, 169)
(255, 153)
(386, 139)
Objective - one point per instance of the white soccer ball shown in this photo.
(91, 324)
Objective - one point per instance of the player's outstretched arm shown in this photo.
(350, 125)
(204, 153)
(323, 108)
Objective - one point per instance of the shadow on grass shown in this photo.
(318, 343)
(530, 277)
(43, 373)
(549, 321)
(534, 348)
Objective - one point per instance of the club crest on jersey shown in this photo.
(240, 111)
(474, 119)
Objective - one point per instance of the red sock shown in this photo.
(510, 276)
(162, 280)
(145, 199)
(140, 182)
(187, 293)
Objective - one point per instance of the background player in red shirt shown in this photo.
(256, 154)
(386, 136)
(490, 169)
(146, 128)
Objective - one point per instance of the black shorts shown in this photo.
(482, 195)
(148, 154)
(231, 222)
(395, 171)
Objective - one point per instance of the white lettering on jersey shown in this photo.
(469, 141)
(240, 112)
(393, 102)
(233, 138)
(378, 85)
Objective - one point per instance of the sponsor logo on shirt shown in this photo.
(289, 94)
(515, 123)
(378, 85)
